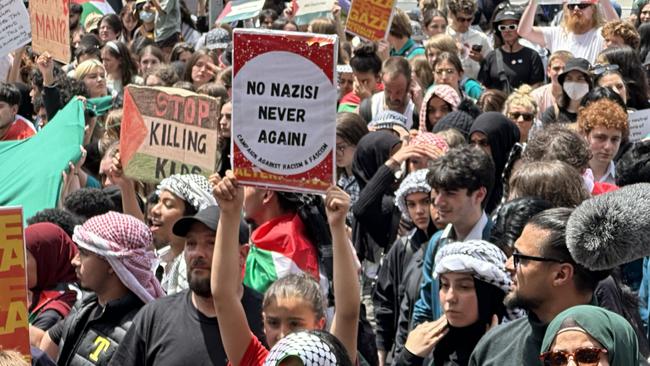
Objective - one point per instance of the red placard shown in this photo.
(284, 109)
(14, 324)
(370, 19)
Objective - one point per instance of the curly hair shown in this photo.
(61, 218)
(622, 29)
(605, 113)
(462, 6)
(510, 219)
(558, 143)
(88, 202)
(521, 97)
(554, 181)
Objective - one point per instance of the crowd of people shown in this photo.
(472, 145)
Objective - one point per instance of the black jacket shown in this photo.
(92, 334)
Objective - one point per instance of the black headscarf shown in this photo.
(462, 341)
(372, 151)
(502, 135)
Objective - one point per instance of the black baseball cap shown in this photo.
(209, 217)
(576, 64)
(508, 13)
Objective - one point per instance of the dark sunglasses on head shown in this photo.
(601, 69)
(526, 116)
(579, 6)
(582, 356)
(508, 27)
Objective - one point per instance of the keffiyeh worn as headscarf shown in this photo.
(311, 349)
(123, 241)
(191, 188)
(414, 182)
(442, 91)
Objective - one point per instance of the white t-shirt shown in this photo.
(587, 45)
(467, 40)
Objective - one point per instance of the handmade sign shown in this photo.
(284, 109)
(239, 10)
(14, 26)
(168, 131)
(50, 21)
(14, 321)
(639, 124)
(304, 11)
(370, 19)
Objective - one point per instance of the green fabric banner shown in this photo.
(30, 170)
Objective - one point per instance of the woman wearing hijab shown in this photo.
(49, 271)
(496, 135)
(590, 335)
(473, 284)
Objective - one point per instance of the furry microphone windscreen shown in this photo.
(611, 229)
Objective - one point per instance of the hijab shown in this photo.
(611, 330)
(373, 150)
(502, 135)
(53, 250)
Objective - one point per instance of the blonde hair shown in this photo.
(521, 97)
(441, 42)
(86, 68)
(10, 357)
(422, 69)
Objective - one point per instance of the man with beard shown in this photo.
(182, 329)
(546, 281)
(579, 32)
(396, 77)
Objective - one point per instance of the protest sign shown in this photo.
(14, 321)
(168, 131)
(284, 109)
(14, 26)
(370, 19)
(639, 124)
(239, 10)
(50, 21)
(307, 10)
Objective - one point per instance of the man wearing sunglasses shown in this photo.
(474, 44)
(579, 31)
(546, 281)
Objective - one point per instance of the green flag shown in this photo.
(31, 169)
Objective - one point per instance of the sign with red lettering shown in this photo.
(14, 321)
(370, 19)
(50, 21)
(168, 131)
(284, 109)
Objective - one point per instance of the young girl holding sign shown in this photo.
(291, 303)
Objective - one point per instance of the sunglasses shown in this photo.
(518, 257)
(601, 69)
(509, 27)
(582, 356)
(578, 6)
(526, 116)
(465, 20)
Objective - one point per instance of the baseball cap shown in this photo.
(508, 13)
(217, 38)
(209, 217)
(576, 64)
(390, 120)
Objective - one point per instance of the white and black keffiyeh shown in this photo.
(482, 259)
(414, 182)
(192, 188)
(311, 349)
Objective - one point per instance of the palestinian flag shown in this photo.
(280, 248)
(100, 7)
(239, 10)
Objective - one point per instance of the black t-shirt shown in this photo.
(171, 331)
(522, 67)
(549, 116)
(46, 319)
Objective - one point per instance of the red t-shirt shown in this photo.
(255, 354)
(19, 130)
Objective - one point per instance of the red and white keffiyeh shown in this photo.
(123, 241)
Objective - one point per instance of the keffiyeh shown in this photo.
(414, 182)
(123, 241)
(309, 347)
(191, 188)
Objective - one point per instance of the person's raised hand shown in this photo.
(116, 172)
(383, 49)
(432, 152)
(45, 64)
(407, 152)
(337, 205)
(228, 192)
(423, 339)
(361, 90)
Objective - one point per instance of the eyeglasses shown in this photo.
(464, 20)
(601, 69)
(506, 27)
(582, 356)
(449, 71)
(518, 257)
(526, 116)
(579, 6)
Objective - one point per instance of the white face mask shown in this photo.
(576, 89)
(146, 16)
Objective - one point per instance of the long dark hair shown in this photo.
(633, 73)
(644, 46)
(128, 67)
(187, 75)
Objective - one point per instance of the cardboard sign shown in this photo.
(14, 321)
(307, 10)
(239, 10)
(639, 124)
(370, 19)
(284, 109)
(168, 131)
(50, 21)
(14, 26)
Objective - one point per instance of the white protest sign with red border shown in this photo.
(284, 109)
